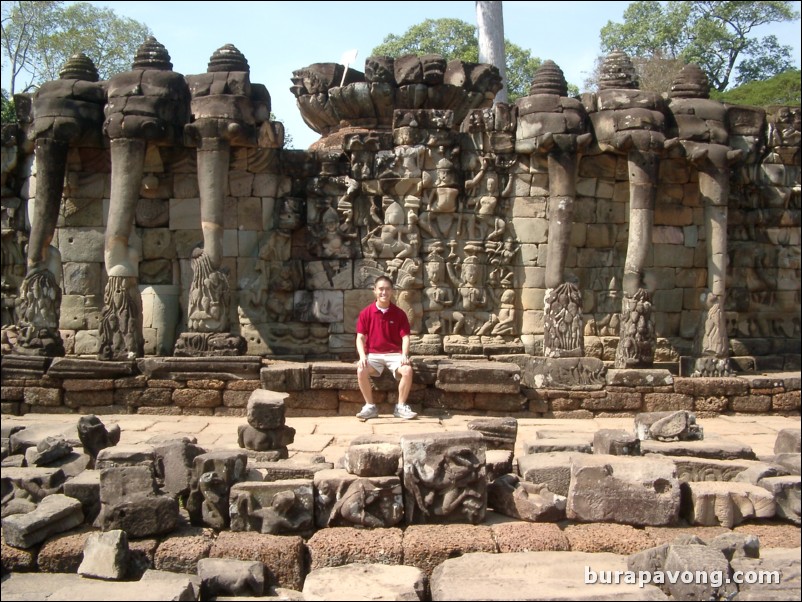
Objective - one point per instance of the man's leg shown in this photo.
(369, 410)
(402, 410)
(404, 384)
(363, 376)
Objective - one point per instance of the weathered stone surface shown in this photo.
(563, 373)
(277, 508)
(514, 536)
(608, 537)
(344, 500)
(265, 440)
(16, 560)
(125, 455)
(615, 442)
(690, 468)
(498, 462)
(141, 516)
(426, 546)
(783, 560)
(478, 377)
(188, 368)
(54, 514)
(698, 558)
(174, 460)
(444, 477)
(544, 446)
(667, 426)
(285, 376)
(333, 375)
(36, 483)
(365, 582)
(736, 545)
(228, 576)
(294, 468)
(787, 496)
(47, 451)
(639, 378)
(95, 436)
(552, 469)
(338, 546)
(121, 483)
(31, 435)
(79, 367)
(717, 449)
(266, 409)
(105, 555)
(526, 501)
(534, 576)
(63, 553)
(499, 433)
(282, 555)
(154, 585)
(373, 459)
(789, 441)
(726, 503)
(638, 491)
(790, 462)
(213, 474)
(180, 551)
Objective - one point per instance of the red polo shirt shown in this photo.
(383, 330)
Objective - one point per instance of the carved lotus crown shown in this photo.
(331, 98)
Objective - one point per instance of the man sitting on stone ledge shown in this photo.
(382, 341)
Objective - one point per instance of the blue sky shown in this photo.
(280, 37)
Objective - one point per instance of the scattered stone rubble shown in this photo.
(251, 514)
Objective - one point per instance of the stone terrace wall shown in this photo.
(165, 386)
(305, 308)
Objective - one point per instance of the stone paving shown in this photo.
(604, 546)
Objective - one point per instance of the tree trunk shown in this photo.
(490, 20)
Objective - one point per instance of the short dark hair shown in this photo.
(385, 278)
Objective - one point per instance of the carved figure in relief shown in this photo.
(438, 297)
(475, 300)
(506, 315)
(365, 504)
(277, 243)
(483, 224)
(452, 485)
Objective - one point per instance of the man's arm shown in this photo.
(360, 348)
(405, 349)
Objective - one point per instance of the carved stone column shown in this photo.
(227, 111)
(65, 111)
(549, 109)
(148, 105)
(702, 131)
(631, 122)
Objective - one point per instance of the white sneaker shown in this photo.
(367, 412)
(405, 412)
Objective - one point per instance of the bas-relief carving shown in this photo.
(66, 112)
(347, 500)
(136, 128)
(381, 201)
(445, 481)
(279, 513)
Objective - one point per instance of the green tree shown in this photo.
(782, 89)
(717, 35)
(456, 39)
(8, 113)
(39, 37)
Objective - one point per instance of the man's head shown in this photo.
(383, 289)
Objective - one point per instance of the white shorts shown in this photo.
(380, 361)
